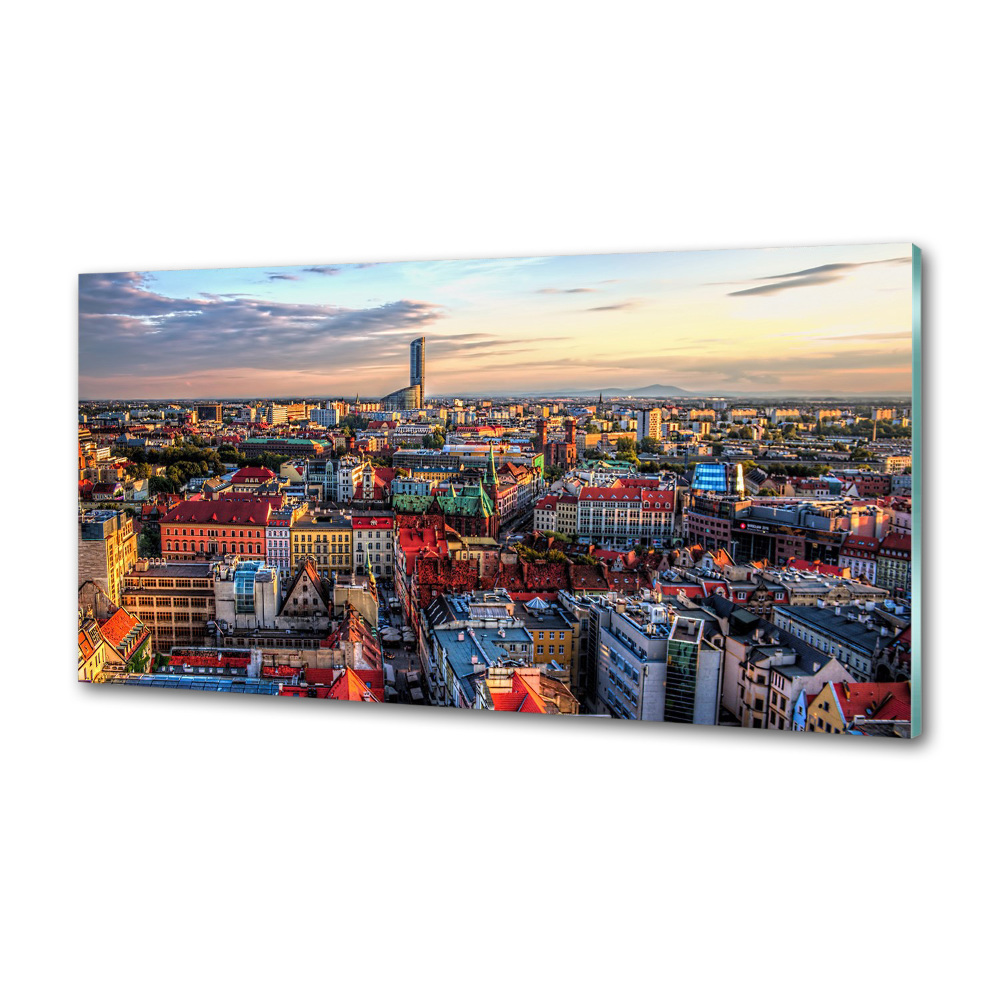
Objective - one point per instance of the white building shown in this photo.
(350, 472)
(373, 538)
(325, 417)
(655, 664)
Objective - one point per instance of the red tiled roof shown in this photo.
(219, 512)
(252, 472)
(860, 544)
(610, 493)
(824, 569)
(372, 522)
(895, 542)
(115, 628)
(520, 698)
(874, 701)
(232, 662)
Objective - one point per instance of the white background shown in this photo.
(175, 845)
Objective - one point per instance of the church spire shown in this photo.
(491, 473)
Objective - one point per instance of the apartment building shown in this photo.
(326, 539)
(107, 550)
(373, 543)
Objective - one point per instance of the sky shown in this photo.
(824, 320)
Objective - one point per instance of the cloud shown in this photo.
(611, 308)
(898, 335)
(826, 268)
(780, 286)
(280, 276)
(563, 291)
(129, 331)
(321, 270)
(822, 274)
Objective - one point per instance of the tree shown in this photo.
(650, 444)
(149, 542)
(139, 663)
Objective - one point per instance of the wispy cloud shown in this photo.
(821, 274)
(612, 308)
(281, 276)
(321, 270)
(780, 286)
(563, 291)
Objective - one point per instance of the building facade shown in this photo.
(107, 550)
(372, 540)
(196, 530)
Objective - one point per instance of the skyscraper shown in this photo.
(410, 397)
(417, 365)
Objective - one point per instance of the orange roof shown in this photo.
(350, 687)
(115, 628)
(520, 698)
(86, 646)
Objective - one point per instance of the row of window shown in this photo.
(244, 548)
(212, 532)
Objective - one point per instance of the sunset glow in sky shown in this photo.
(822, 320)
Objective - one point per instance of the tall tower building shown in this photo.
(417, 365)
(650, 424)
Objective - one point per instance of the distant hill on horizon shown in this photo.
(668, 391)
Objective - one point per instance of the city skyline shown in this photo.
(823, 320)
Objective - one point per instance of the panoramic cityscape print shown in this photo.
(672, 487)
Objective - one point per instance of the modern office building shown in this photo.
(417, 363)
(410, 397)
(209, 411)
(655, 662)
(693, 676)
(717, 477)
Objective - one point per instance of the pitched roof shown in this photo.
(251, 472)
(886, 701)
(307, 570)
(520, 698)
(896, 545)
(219, 512)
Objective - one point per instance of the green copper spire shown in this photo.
(491, 473)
